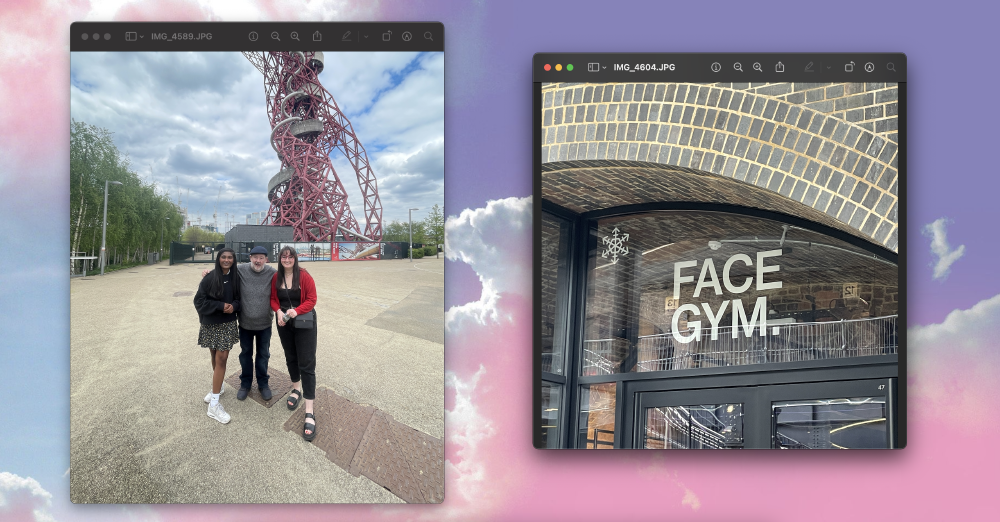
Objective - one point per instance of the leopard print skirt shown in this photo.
(219, 336)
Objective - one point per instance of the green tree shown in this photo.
(394, 231)
(400, 231)
(434, 226)
(201, 237)
(136, 213)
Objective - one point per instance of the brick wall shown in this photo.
(839, 140)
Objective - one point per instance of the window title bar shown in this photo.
(256, 36)
(719, 67)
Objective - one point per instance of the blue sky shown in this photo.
(196, 121)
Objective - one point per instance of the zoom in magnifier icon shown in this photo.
(738, 66)
(274, 36)
(295, 36)
(756, 67)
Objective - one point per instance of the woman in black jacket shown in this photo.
(217, 302)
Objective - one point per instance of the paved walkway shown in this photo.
(139, 429)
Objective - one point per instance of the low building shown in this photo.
(243, 238)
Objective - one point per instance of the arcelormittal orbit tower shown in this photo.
(306, 126)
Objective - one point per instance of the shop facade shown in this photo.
(685, 307)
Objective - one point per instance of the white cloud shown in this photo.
(946, 256)
(690, 499)
(496, 242)
(23, 499)
(467, 428)
(953, 365)
(199, 120)
(313, 10)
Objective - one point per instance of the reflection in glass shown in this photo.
(597, 416)
(716, 426)
(555, 259)
(551, 394)
(789, 293)
(830, 424)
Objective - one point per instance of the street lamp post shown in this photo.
(411, 233)
(161, 237)
(104, 225)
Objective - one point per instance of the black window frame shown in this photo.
(891, 366)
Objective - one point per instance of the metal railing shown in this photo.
(597, 357)
(793, 342)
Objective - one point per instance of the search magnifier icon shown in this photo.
(756, 67)
(274, 36)
(428, 36)
(295, 36)
(890, 66)
(738, 66)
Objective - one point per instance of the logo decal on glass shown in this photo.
(616, 245)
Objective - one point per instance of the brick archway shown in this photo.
(832, 148)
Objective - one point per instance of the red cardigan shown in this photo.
(308, 297)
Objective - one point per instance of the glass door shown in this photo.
(819, 415)
(693, 419)
(832, 415)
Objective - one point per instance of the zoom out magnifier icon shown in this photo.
(274, 36)
(738, 66)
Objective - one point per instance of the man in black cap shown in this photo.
(255, 317)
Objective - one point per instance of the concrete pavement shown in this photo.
(139, 429)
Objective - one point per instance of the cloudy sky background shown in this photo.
(198, 121)
(493, 473)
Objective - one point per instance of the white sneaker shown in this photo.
(218, 413)
(208, 398)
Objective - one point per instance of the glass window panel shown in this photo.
(551, 403)
(597, 416)
(856, 423)
(748, 291)
(714, 426)
(555, 260)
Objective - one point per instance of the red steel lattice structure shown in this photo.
(306, 126)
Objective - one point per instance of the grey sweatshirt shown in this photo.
(255, 297)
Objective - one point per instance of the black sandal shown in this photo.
(309, 437)
(293, 400)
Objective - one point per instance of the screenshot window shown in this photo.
(288, 178)
(717, 251)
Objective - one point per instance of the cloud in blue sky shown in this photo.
(496, 242)
(942, 251)
(195, 122)
(24, 499)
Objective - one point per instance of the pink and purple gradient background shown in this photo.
(948, 468)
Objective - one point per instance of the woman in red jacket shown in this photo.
(293, 293)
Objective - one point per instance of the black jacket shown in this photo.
(209, 308)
